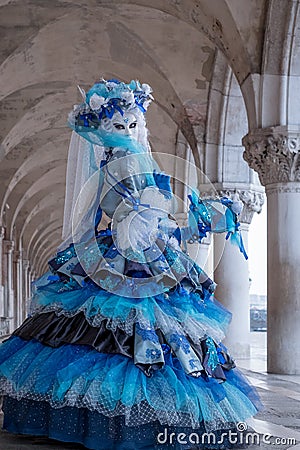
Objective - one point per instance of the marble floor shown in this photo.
(276, 427)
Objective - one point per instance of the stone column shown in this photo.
(202, 254)
(275, 154)
(232, 274)
(18, 288)
(26, 287)
(2, 233)
(8, 247)
(32, 277)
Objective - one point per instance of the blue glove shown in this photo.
(163, 182)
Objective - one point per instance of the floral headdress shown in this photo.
(106, 98)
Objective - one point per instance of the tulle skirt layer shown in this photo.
(98, 432)
(186, 312)
(114, 372)
(79, 376)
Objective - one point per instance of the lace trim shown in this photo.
(179, 325)
(138, 414)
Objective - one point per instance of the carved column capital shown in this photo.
(251, 196)
(274, 153)
(26, 264)
(4, 326)
(17, 256)
(252, 202)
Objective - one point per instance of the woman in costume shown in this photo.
(122, 348)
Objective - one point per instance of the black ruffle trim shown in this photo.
(53, 330)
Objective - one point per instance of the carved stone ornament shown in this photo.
(17, 256)
(8, 246)
(26, 264)
(4, 326)
(252, 200)
(274, 153)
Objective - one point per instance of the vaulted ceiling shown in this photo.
(48, 47)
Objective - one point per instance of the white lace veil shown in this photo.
(83, 162)
(83, 184)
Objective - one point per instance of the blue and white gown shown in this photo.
(123, 347)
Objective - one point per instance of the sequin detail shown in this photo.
(213, 359)
(64, 256)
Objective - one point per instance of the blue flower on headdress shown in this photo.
(107, 97)
(114, 80)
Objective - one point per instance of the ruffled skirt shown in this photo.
(117, 372)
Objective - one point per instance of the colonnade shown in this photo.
(16, 276)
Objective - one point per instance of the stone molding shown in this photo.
(283, 188)
(8, 246)
(274, 153)
(4, 326)
(17, 256)
(26, 264)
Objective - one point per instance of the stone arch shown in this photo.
(40, 234)
(54, 213)
(36, 191)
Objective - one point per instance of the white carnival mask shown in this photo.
(126, 125)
